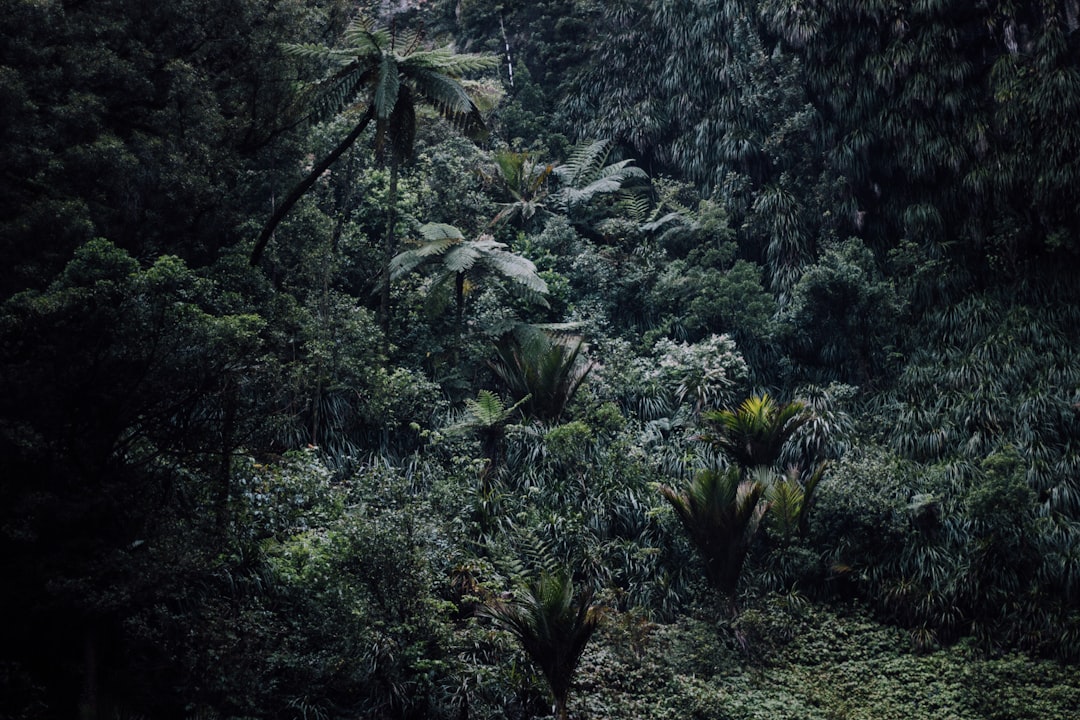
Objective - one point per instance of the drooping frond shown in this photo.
(524, 209)
(335, 93)
(610, 180)
(516, 268)
(385, 96)
(584, 175)
(448, 97)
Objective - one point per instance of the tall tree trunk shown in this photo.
(88, 702)
(228, 432)
(562, 712)
(459, 314)
(305, 185)
(388, 250)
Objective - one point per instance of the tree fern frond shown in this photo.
(461, 258)
(449, 98)
(487, 409)
(519, 269)
(404, 263)
(584, 161)
(320, 53)
(385, 96)
(446, 62)
(669, 219)
(435, 232)
(334, 94)
(624, 170)
(362, 35)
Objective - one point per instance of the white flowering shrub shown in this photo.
(706, 374)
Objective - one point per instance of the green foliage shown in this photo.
(841, 321)
(462, 261)
(487, 416)
(927, 126)
(586, 174)
(392, 75)
(721, 513)
(175, 556)
(553, 625)
(353, 582)
(152, 128)
(691, 301)
(702, 375)
(806, 664)
(526, 181)
(543, 368)
(755, 433)
(790, 499)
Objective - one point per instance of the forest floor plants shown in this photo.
(805, 663)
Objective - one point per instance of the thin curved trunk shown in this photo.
(304, 185)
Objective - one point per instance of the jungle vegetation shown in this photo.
(472, 359)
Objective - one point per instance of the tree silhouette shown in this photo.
(553, 626)
(390, 73)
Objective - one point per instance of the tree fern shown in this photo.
(459, 258)
(390, 74)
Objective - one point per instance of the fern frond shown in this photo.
(446, 62)
(319, 53)
(487, 409)
(461, 258)
(434, 232)
(385, 96)
(519, 269)
(584, 160)
(449, 99)
(363, 35)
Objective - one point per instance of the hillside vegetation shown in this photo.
(664, 359)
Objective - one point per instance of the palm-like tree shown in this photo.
(389, 73)
(459, 258)
(755, 433)
(545, 368)
(790, 499)
(526, 181)
(584, 177)
(721, 513)
(553, 626)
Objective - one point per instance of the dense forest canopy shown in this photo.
(473, 359)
